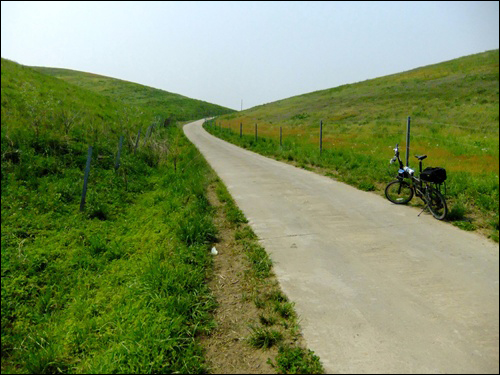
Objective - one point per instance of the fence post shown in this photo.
(281, 137)
(85, 179)
(137, 140)
(407, 140)
(256, 132)
(241, 129)
(117, 163)
(320, 137)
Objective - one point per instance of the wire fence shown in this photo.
(384, 131)
(137, 144)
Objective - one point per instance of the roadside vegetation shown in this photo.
(120, 286)
(454, 113)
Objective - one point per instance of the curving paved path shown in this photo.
(378, 289)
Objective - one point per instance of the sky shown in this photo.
(243, 54)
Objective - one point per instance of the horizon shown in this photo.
(243, 54)
(305, 93)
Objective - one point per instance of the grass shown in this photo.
(453, 108)
(296, 361)
(122, 291)
(232, 212)
(264, 338)
(120, 286)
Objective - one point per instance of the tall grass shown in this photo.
(118, 287)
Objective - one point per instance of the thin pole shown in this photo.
(137, 140)
(281, 137)
(255, 131)
(320, 136)
(407, 140)
(117, 163)
(86, 178)
(241, 129)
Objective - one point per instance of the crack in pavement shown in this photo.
(287, 236)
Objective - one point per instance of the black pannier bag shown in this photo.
(434, 174)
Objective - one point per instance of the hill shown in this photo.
(118, 281)
(162, 103)
(454, 111)
(82, 285)
(460, 92)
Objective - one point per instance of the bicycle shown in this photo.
(427, 186)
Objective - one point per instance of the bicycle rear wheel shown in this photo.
(437, 204)
(399, 192)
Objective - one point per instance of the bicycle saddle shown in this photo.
(422, 157)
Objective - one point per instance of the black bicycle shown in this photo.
(427, 186)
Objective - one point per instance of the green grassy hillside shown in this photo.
(120, 286)
(162, 103)
(454, 113)
(461, 92)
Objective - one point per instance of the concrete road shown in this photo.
(378, 289)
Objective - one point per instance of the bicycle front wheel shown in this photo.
(437, 204)
(399, 192)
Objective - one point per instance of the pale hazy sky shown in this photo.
(255, 52)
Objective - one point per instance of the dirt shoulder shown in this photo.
(246, 308)
(227, 349)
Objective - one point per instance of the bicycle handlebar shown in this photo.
(396, 156)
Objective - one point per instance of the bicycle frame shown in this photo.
(407, 172)
(430, 195)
